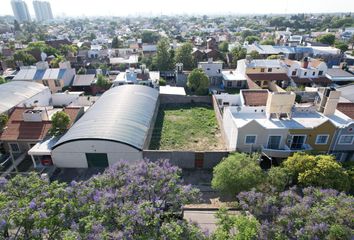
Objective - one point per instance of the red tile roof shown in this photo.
(17, 129)
(255, 97)
(322, 80)
(347, 109)
(301, 80)
(268, 76)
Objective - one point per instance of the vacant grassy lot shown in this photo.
(187, 127)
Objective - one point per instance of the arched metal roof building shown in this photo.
(119, 122)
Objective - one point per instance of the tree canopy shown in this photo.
(3, 121)
(60, 123)
(252, 39)
(237, 54)
(128, 201)
(224, 47)
(184, 55)
(150, 36)
(317, 170)
(198, 82)
(236, 173)
(102, 81)
(310, 213)
(163, 59)
(327, 39)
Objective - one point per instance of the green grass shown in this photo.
(232, 90)
(187, 127)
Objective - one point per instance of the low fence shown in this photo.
(188, 159)
(179, 99)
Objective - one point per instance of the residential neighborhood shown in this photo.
(176, 126)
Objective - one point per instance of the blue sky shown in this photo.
(156, 7)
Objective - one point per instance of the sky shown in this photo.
(79, 8)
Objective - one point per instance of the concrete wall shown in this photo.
(72, 154)
(186, 159)
(178, 99)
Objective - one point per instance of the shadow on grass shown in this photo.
(155, 142)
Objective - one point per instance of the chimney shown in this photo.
(33, 115)
(305, 62)
(329, 101)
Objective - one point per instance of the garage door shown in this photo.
(97, 159)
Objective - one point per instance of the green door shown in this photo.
(97, 159)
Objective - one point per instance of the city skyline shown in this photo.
(158, 7)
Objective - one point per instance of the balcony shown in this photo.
(284, 152)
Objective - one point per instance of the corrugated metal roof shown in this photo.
(13, 93)
(122, 114)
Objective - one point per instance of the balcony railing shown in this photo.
(283, 152)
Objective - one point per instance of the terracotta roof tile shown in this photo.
(301, 80)
(255, 97)
(268, 76)
(17, 129)
(322, 80)
(347, 109)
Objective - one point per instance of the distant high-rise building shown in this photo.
(42, 10)
(20, 9)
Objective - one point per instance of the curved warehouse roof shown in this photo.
(122, 114)
(15, 92)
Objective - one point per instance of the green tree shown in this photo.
(102, 81)
(3, 121)
(267, 42)
(150, 36)
(198, 82)
(238, 172)
(55, 62)
(184, 55)
(246, 33)
(273, 57)
(252, 39)
(92, 36)
(2, 80)
(279, 178)
(319, 171)
(60, 123)
(115, 42)
(163, 60)
(237, 54)
(341, 45)
(327, 39)
(235, 227)
(255, 55)
(162, 82)
(24, 57)
(224, 47)
(17, 27)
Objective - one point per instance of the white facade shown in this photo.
(73, 154)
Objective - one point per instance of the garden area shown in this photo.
(187, 127)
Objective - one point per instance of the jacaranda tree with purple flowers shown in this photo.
(310, 213)
(127, 201)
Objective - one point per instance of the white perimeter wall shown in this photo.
(72, 154)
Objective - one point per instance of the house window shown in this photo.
(250, 139)
(57, 83)
(229, 84)
(293, 73)
(346, 139)
(45, 82)
(305, 73)
(322, 139)
(313, 73)
(14, 147)
(270, 69)
(297, 142)
(274, 142)
(320, 73)
(97, 159)
(262, 69)
(239, 83)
